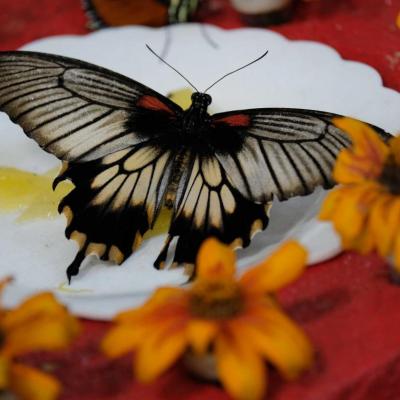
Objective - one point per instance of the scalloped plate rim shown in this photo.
(88, 298)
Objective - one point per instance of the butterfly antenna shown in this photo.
(236, 70)
(161, 59)
(207, 37)
(167, 43)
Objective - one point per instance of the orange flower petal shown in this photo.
(279, 340)
(240, 369)
(46, 333)
(394, 145)
(31, 384)
(367, 147)
(332, 203)
(398, 20)
(4, 371)
(200, 333)
(215, 261)
(160, 298)
(350, 211)
(42, 304)
(354, 169)
(393, 221)
(350, 219)
(396, 254)
(166, 308)
(158, 351)
(122, 339)
(365, 244)
(282, 267)
(4, 282)
(384, 222)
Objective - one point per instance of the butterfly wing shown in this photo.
(102, 13)
(256, 155)
(207, 204)
(282, 153)
(181, 10)
(76, 110)
(110, 131)
(116, 199)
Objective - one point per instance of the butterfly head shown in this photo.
(201, 100)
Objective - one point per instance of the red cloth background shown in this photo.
(347, 305)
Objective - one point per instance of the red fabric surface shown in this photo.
(347, 305)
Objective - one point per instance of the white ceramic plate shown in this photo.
(294, 74)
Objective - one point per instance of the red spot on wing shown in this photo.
(152, 103)
(235, 120)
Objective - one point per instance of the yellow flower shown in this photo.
(39, 323)
(237, 320)
(365, 210)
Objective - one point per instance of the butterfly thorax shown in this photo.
(196, 117)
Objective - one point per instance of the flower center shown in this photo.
(216, 300)
(390, 176)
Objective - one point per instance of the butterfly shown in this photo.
(129, 151)
(103, 13)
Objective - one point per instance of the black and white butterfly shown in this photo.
(103, 13)
(181, 10)
(130, 151)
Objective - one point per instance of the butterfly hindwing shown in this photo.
(115, 201)
(207, 205)
(76, 110)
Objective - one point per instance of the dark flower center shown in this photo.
(216, 300)
(390, 176)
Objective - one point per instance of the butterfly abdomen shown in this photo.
(179, 165)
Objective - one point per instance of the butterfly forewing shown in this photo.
(75, 110)
(283, 152)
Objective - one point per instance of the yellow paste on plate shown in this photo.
(30, 194)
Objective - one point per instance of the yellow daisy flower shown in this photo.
(238, 321)
(39, 323)
(365, 210)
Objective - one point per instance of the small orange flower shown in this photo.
(238, 321)
(39, 323)
(365, 210)
(398, 20)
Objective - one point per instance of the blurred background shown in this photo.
(362, 30)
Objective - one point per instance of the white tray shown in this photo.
(294, 74)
